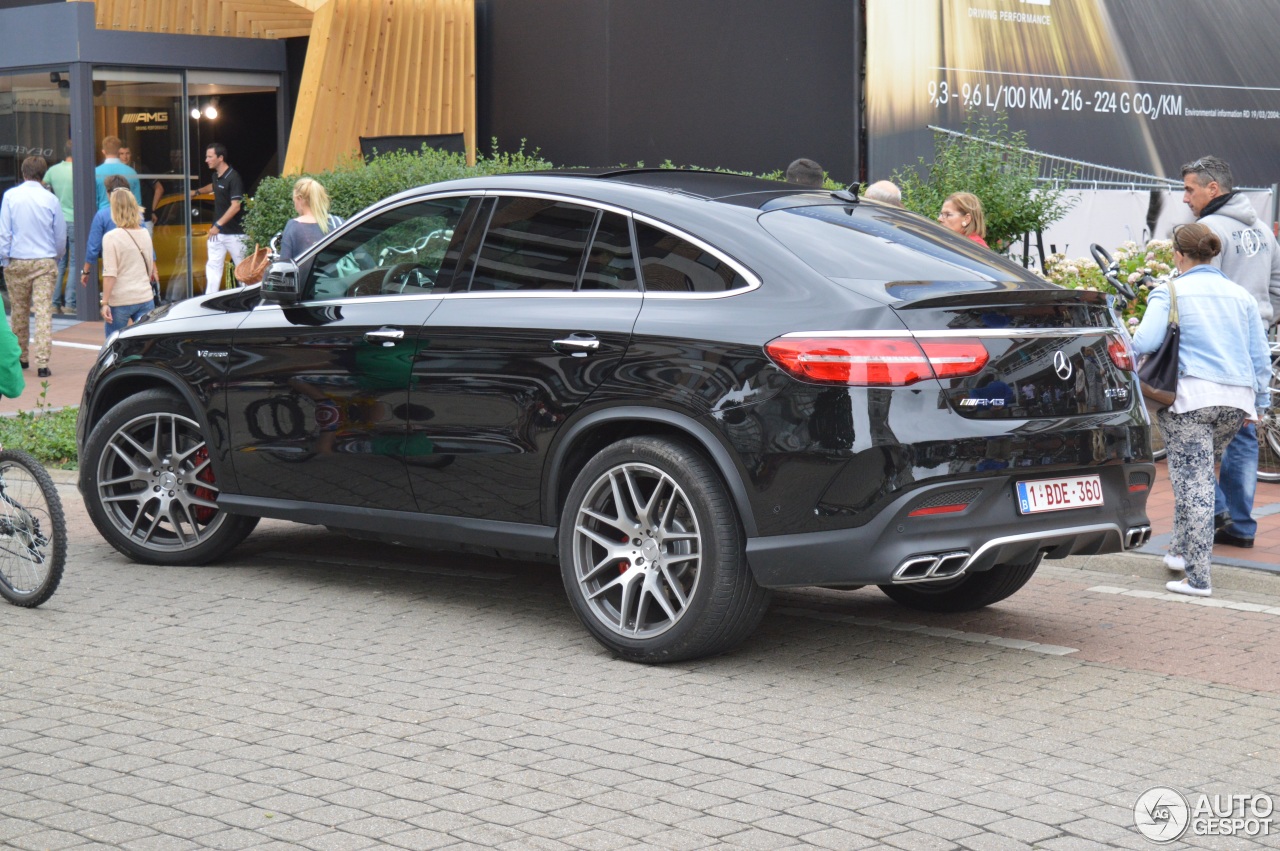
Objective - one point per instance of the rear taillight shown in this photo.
(1121, 353)
(876, 361)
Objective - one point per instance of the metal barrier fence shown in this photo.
(1081, 175)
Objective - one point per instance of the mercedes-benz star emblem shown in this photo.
(1061, 365)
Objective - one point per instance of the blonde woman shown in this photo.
(962, 213)
(128, 265)
(312, 203)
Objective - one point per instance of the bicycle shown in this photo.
(33, 531)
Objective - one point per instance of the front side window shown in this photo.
(533, 244)
(672, 264)
(397, 252)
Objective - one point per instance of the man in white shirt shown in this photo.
(33, 237)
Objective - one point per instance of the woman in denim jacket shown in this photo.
(1224, 370)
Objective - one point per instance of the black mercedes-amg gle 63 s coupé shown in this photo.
(689, 388)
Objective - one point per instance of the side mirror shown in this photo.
(280, 284)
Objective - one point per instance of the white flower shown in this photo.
(1134, 277)
(1133, 321)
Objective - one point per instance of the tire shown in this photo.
(1269, 433)
(965, 593)
(33, 531)
(149, 486)
(652, 554)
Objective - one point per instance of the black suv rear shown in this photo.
(689, 387)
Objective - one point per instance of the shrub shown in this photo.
(1154, 259)
(992, 163)
(48, 435)
(354, 184)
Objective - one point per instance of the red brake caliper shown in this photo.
(201, 513)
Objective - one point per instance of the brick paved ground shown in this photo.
(318, 693)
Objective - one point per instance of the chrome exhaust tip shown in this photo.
(1136, 536)
(925, 568)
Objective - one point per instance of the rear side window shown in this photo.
(672, 264)
(533, 244)
(610, 263)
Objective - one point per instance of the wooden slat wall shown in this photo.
(384, 68)
(242, 18)
(374, 67)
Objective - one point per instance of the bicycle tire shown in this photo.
(1269, 432)
(33, 531)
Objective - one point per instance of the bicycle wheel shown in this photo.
(1269, 433)
(33, 531)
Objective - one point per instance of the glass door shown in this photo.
(143, 112)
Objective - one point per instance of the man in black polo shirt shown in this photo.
(226, 234)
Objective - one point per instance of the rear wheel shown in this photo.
(965, 593)
(33, 533)
(1269, 433)
(652, 554)
(150, 487)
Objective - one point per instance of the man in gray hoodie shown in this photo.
(1251, 258)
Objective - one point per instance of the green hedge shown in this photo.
(48, 435)
(354, 185)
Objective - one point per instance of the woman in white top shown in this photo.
(128, 265)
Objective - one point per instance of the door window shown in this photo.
(533, 244)
(397, 252)
(610, 265)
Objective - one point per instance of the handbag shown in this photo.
(251, 269)
(1158, 373)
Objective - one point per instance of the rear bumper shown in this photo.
(896, 547)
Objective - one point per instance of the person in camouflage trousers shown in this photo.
(31, 281)
(33, 236)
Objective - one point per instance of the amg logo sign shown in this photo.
(144, 117)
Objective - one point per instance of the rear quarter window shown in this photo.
(672, 264)
(878, 245)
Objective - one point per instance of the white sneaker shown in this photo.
(1174, 562)
(1184, 586)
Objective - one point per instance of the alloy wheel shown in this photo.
(637, 550)
(156, 484)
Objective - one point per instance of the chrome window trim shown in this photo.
(753, 281)
(989, 333)
(378, 299)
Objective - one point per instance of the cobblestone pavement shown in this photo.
(315, 692)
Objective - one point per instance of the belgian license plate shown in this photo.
(1059, 494)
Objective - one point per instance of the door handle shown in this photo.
(385, 336)
(578, 345)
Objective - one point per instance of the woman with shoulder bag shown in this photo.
(128, 265)
(1224, 370)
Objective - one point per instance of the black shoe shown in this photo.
(25, 365)
(1221, 521)
(43, 372)
(1222, 536)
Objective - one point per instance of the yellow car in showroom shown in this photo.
(170, 239)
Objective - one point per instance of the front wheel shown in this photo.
(149, 485)
(33, 532)
(652, 554)
(965, 593)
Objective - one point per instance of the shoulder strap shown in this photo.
(1173, 303)
(146, 264)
